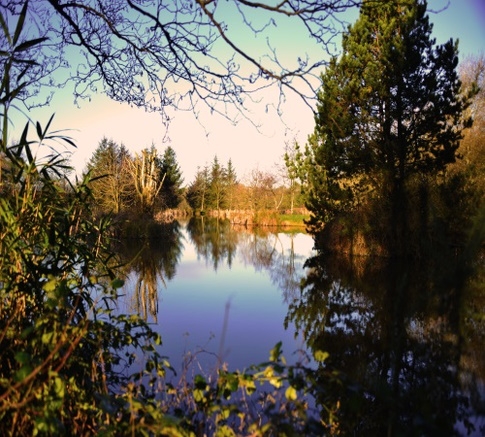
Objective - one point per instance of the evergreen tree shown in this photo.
(389, 111)
(231, 184)
(217, 186)
(172, 192)
(111, 184)
(296, 172)
(197, 191)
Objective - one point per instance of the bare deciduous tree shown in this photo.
(147, 179)
(162, 54)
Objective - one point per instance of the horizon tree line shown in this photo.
(147, 182)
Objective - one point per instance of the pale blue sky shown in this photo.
(196, 144)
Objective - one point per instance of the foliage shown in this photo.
(64, 347)
(267, 400)
(144, 183)
(467, 172)
(296, 171)
(213, 188)
(197, 190)
(390, 113)
(231, 185)
(217, 185)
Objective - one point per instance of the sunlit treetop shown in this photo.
(162, 54)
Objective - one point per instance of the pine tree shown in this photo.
(197, 191)
(389, 110)
(111, 183)
(217, 188)
(172, 192)
(231, 185)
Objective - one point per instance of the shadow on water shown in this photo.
(408, 338)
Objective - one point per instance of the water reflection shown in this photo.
(401, 335)
(155, 259)
(149, 262)
(215, 240)
(406, 339)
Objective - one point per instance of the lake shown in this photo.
(407, 339)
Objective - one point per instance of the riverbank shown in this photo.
(263, 218)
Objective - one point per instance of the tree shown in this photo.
(263, 191)
(231, 184)
(171, 193)
(110, 178)
(217, 186)
(62, 342)
(472, 147)
(171, 54)
(295, 171)
(389, 112)
(197, 191)
(147, 179)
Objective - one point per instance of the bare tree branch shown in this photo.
(161, 54)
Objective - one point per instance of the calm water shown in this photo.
(407, 340)
(220, 295)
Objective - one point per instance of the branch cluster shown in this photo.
(159, 55)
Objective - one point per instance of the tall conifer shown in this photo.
(389, 109)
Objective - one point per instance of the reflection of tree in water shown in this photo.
(266, 251)
(395, 331)
(214, 239)
(151, 260)
(217, 241)
(154, 259)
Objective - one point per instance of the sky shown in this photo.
(197, 142)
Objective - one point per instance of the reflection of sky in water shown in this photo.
(192, 306)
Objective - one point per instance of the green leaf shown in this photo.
(50, 285)
(198, 395)
(23, 357)
(48, 337)
(117, 283)
(225, 431)
(59, 387)
(276, 352)
(23, 372)
(200, 382)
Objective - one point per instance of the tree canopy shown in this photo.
(389, 110)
